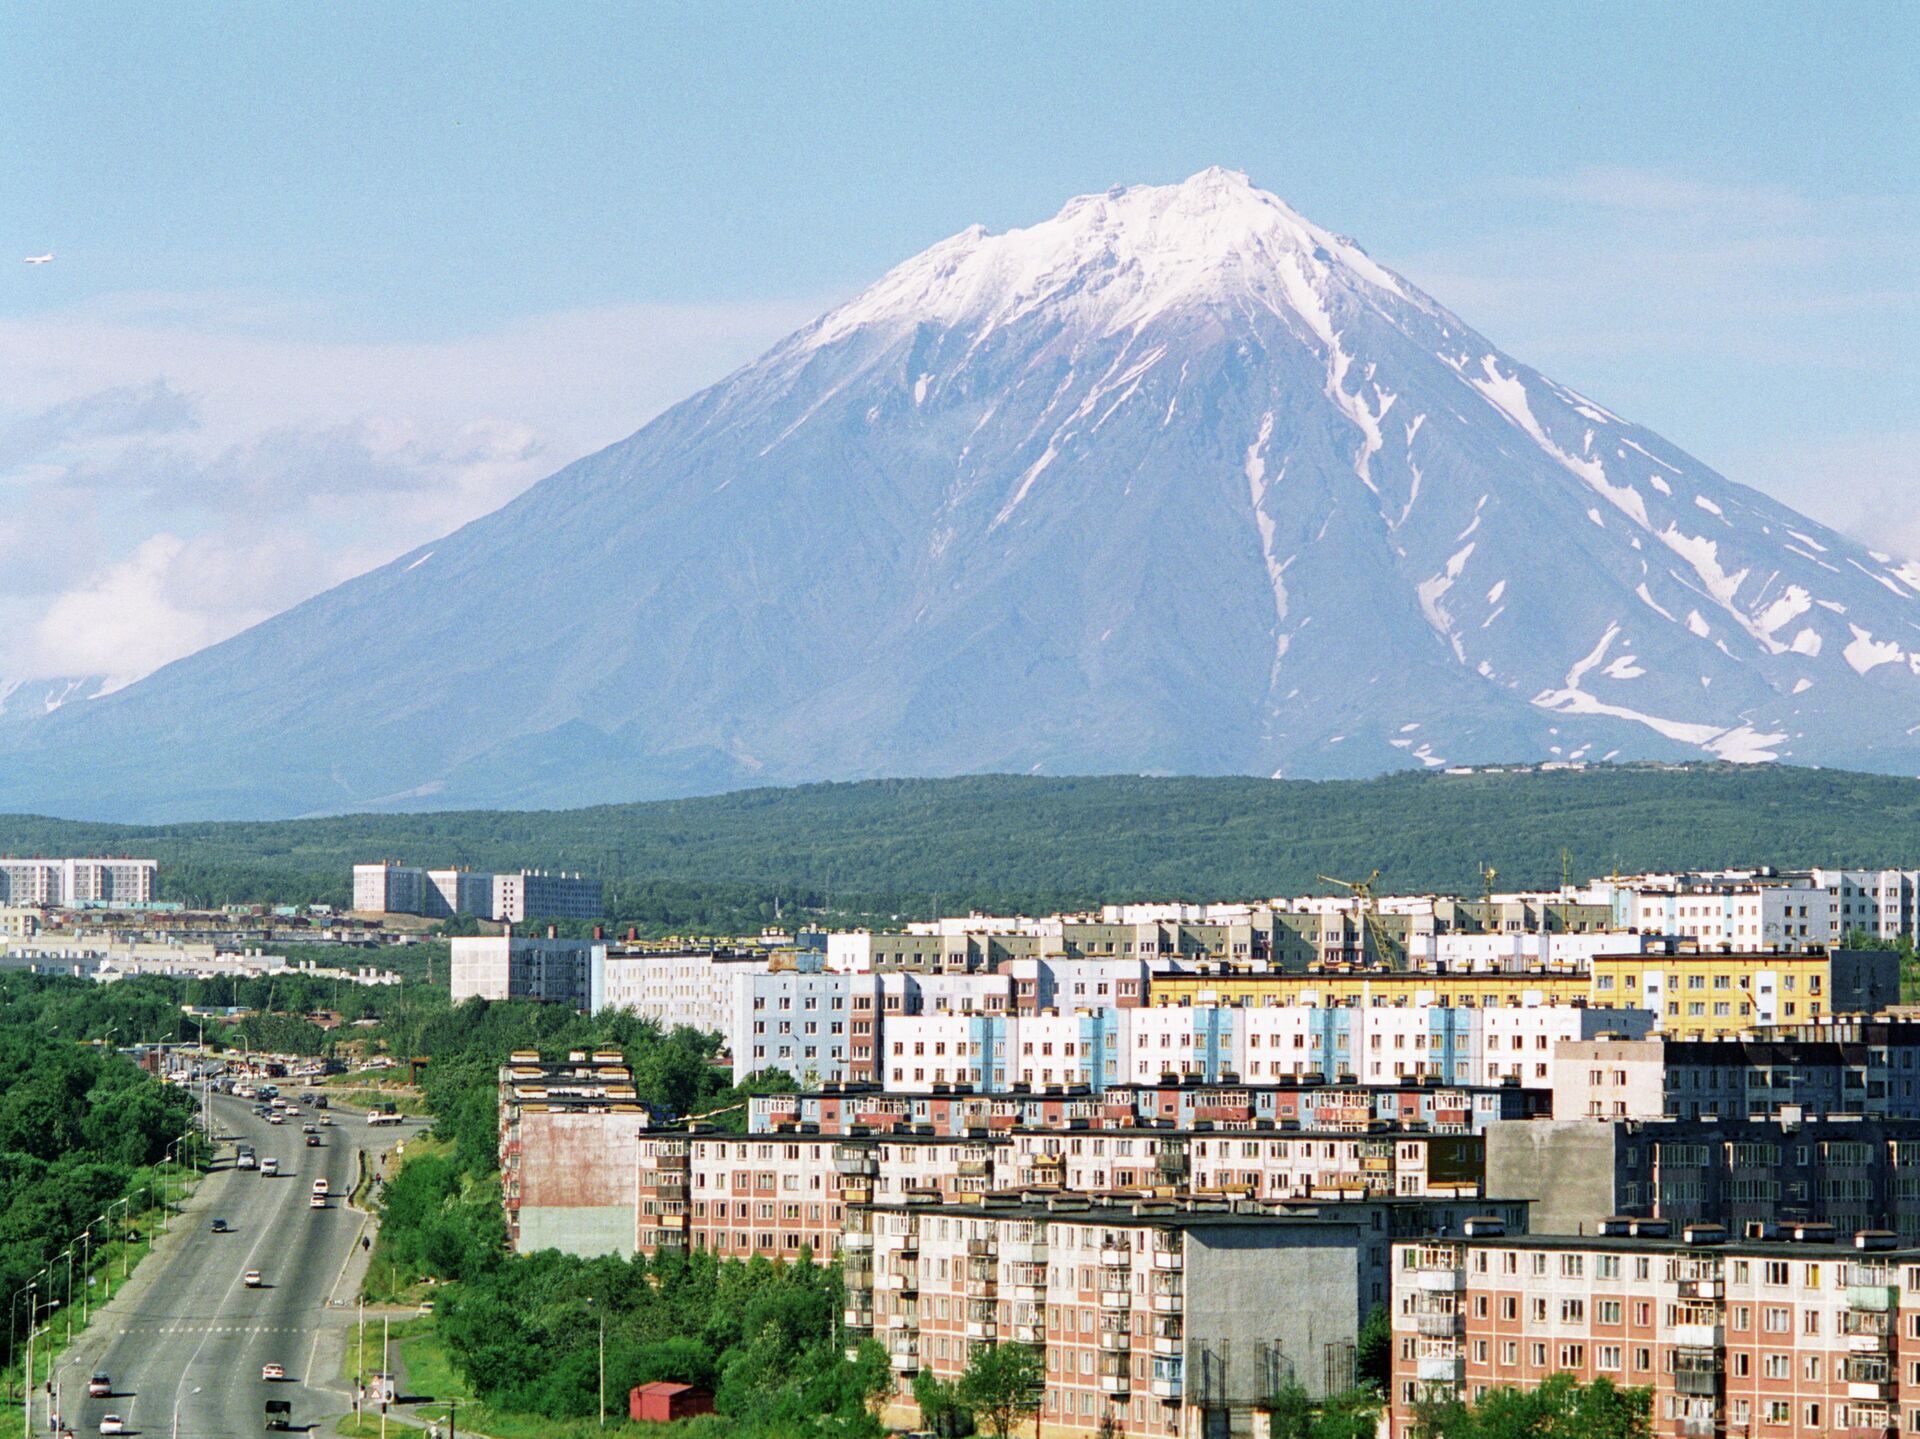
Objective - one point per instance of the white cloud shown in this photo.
(175, 468)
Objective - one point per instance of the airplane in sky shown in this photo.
(46, 259)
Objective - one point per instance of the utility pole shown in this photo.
(386, 1374)
(26, 1388)
(68, 1256)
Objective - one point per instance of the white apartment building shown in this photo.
(1883, 902)
(692, 989)
(388, 888)
(794, 1021)
(78, 881)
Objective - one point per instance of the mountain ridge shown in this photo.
(1174, 482)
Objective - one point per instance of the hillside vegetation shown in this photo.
(906, 847)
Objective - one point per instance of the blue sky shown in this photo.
(330, 280)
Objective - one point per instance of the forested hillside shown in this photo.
(908, 846)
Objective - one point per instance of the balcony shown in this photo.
(1116, 1254)
(1869, 1389)
(1115, 1299)
(1873, 1298)
(857, 1318)
(980, 1248)
(856, 1239)
(982, 1273)
(1117, 1384)
(856, 1163)
(1706, 1291)
(1166, 1382)
(1168, 1259)
(1440, 1368)
(1440, 1325)
(1867, 1331)
(1168, 1338)
(1028, 1332)
(1700, 1335)
(1116, 1341)
(903, 1352)
(1697, 1372)
(984, 1329)
(1024, 1251)
(1160, 1302)
(1439, 1281)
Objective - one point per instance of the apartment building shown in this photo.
(1802, 1339)
(1830, 1067)
(1156, 1317)
(570, 1137)
(1854, 1172)
(690, 988)
(537, 894)
(1444, 1109)
(556, 971)
(1261, 1164)
(1693, 991)
(89, 881)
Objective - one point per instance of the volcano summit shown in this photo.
(1175, 481)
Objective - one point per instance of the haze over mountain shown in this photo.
(1173, 482)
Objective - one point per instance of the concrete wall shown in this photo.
(1567, 1168)
(586, 1230)
(1260, 1293)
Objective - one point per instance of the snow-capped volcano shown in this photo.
(1175, 481)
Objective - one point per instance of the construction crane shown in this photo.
(1371, 928)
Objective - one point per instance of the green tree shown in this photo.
(1289, 1411)
(1373, 1356)
(1558, 1408)
(1002, 1385)
(939, 1403)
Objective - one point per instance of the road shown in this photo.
(188, 1337)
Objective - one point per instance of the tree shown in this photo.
(1002, 1385)
(1374, 1353)
(1289, 1411)
(939, 1403)
(1559, 1408)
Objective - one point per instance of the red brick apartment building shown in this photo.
(1803, 1337)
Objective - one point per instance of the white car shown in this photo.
(252, 1279)
(273, 1371)
(112, 1424)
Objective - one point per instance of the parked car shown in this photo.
(112, 1424)
(273, 1371)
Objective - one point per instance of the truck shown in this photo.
(279, 1414)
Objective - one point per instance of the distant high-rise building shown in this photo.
(94, 880)
(536, 894)
(388, 888)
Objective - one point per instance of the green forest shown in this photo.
(79, 1126)
(907, 847)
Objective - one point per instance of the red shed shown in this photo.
(662, 1402)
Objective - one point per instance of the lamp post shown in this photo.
(601, 1315)
(33, 1320)
(68, 1256)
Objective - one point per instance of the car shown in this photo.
(276, 1119)
(100, 1387)
(269, 1168)
(326, 1121)
(313, 1141)
(308, 1129)
(220, 1226)
(112, 1424)
(252, 1279)
(273, 1371)
(279, 1414)
(317, 1201)
(320, 1186)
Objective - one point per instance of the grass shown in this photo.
(406, 1101)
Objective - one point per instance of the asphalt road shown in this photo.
(188, 1337)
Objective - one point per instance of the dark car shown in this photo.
(279, 1414)
(313, 1141)
(220, 1226)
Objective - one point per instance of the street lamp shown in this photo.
(68, 1256)
(602, 1315)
